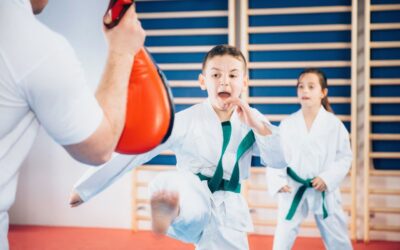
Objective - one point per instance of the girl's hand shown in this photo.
(285, 189)
(318, 184)
(75, 200)
(246, 115)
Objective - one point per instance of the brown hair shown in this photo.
(323, 81)
(221, 50)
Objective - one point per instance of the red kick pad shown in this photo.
(150, 111)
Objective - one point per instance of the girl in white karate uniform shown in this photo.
(200, 202)
(317, 149)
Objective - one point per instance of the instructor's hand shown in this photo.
(128, 36)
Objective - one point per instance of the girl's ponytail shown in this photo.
(326, 104)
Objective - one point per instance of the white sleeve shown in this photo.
(97, 179)
(58, 94)
(269, 147)
(338, 169)
(276, 179)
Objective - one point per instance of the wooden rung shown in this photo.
(298, 28)
(276, 118)
(290, 100)
(187, 100)
(387, 173)
(151, 168)
(384, 191)
(383, 7)
(179, 49)
(385, 26)
(345, 190)
(380, 45)
(177, 84)
(272, 83)
(167, 152)
(298, 10)
(388, 210)
(344, 118)
(385, 137)
(385, 63)
(285, 65)
(180, 66)
(385, 118)
(385, 81)
(143, 217)
(187, 32)
(293, 82)
(385, 155)
(384, 100)
(262, 206)
(267, 223)
(182, 14)
(385, 228)
(298, 46)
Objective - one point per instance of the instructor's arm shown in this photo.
(124, 41)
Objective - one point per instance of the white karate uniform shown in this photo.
(41, 84)
(211, 221)
(323, 151)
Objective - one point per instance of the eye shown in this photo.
(215, 75)
(232, 76)
(300, 86)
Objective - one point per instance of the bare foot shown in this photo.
(164, 209)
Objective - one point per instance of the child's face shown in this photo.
(309, 91)
(223, 77)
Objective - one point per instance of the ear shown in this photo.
(202, 82)
(245, 83)
(325, 92)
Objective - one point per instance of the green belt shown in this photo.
(224, 184)
(300, 192)
(216, 182)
